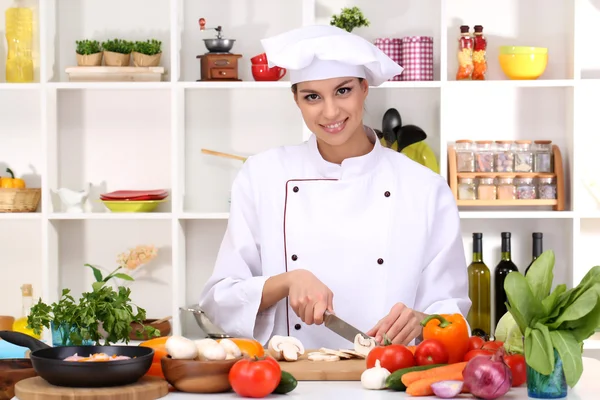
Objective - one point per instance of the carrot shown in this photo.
(422, 387)
(414, 376)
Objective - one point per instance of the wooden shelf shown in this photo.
(557, 204)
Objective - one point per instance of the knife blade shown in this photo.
(341, 327)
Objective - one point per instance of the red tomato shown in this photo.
(474, 353)
(431, 351)
(391, 357)
(492, 345)
(516, 363)
(255, 377)
(475, 343)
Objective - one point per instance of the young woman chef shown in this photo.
(338, 223)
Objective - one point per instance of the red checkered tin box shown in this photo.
(413, 53)
(392, 47)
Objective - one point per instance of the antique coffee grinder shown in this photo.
(218, 64)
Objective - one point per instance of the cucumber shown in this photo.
(287, 383)
(394, 381)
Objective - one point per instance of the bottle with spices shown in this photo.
(466, 189)
(465, 156)
(505, 189)
(465, 55)
(479, 54)
(484, 156)
(486, 189)
(525, 188)
(523, 156)
(546, 187)
(542, 159)
(504, 156)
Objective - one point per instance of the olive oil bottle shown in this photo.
(479, 316)
(504, 267)
(537, 248)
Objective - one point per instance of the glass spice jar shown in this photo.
(542, 158)
(526, 189)
(465, 156)
(484, 156)
(546, 187)
(523, 156)
(486, 189)
(505, 188)
(504, 156)
(466, 189)
(465, 54)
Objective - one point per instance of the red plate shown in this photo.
(133, 198)
(135, 194)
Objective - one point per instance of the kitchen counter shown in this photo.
(587, 388)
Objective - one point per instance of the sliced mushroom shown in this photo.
(322, 357)
(340, 354)
(363, 345)
(352, 353)
(286, 348)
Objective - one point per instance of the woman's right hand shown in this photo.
(309, 297)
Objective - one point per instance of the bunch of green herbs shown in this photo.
(118, 46)
(349, 19)
(86, 47)
(150, 47)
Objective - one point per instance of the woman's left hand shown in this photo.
(401, 325)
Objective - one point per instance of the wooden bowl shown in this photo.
(164, 328)
(195, 376)
(12, 370)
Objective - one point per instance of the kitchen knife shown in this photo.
(341, 327)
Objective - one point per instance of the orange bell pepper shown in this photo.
(158, 344)
(450, 329)
(12, 182)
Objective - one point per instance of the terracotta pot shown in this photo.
(113, 59)
(89, 60)
(143, 60)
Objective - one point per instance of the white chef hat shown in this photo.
(323, 51)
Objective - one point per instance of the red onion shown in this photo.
(488, 378)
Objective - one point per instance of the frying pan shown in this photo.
(48, 362)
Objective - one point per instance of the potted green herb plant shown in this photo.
(554, 324)
(147, 54)
(103, 313)
(89, 52)
(349, 19)
(117, 52)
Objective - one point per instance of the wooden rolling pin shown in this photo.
(225, 155)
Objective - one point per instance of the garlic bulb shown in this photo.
(374, 378)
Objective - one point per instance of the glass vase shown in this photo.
(61, 335)
(553, 386)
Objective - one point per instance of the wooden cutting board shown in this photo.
(342, 370)
(147, 388)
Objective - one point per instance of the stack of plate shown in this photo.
(133, 200)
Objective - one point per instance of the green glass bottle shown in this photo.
(479, 316)
(537, 248)
(504, 267)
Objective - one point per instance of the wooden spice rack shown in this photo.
(557, 205)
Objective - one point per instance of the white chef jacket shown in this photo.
(377, 230)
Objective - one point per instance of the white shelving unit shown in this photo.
(149, 135)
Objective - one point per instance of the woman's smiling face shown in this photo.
(333, 108)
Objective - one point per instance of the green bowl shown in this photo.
(523, 50)
(132, 205)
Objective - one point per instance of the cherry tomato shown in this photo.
(516, 363)
(474, 353)
(475, 343)
(431, 351)
(255, 378)
(492, 345)
(392, 357)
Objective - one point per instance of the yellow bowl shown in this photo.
(132, 205)
(523, 62)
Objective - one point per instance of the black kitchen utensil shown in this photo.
(49, 362)
(391, 120)
(409, 134)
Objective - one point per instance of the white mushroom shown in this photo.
(181, 348)
(317, 356)
(214, 352)
(286, 348)
(363, 345)
(232, 349)
(352, 353)
(340, 354)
